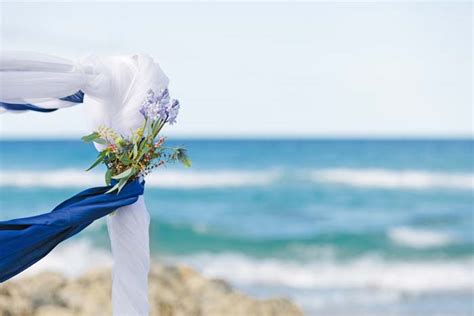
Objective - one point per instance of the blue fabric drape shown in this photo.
(24, 107)
(24, 241)
(77, 97)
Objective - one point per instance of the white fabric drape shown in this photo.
(124, 84)
(40, 79)
(114, 88)
(128, 231)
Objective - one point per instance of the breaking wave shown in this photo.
(189, 179)
(313, 285)
(163, 179)
(419, 238)
(394, 179)
(367, 272)
(363, 273)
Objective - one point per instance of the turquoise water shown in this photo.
(343, 227)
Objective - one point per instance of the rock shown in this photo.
(13, 303)
(54, 310)
(173, 291)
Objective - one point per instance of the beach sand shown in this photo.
(173, 291)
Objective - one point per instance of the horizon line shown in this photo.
(263, 137)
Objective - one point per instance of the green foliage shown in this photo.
(181, 154)
(130, 158)
(126, 174)
(108, 176)
(90, 137)
(99, 159)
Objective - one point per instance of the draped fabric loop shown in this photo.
(111, 89)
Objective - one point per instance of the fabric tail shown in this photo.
(129, 237)
(25, 241)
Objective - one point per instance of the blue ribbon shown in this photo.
(77, 97)
(24, 241)
(24, 107)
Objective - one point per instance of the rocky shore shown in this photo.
(174, 291)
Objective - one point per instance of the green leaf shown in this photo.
(143, 151)
(135, 151)
(90, 137)
(182, 155)
(148, 130)
(118, 186)
(108, 176)
(186, 162)
(124, 159)
(98, 161)
(118, 140)
(115, 187)
(127, 173)
(122, 183)
(100, 141)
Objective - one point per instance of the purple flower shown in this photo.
(173, 111)
(160, 107)
(147, 104)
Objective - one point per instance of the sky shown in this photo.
(266, 69)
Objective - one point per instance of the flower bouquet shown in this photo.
(130, 158)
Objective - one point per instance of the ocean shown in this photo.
(341, 227)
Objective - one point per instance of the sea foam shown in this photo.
(418, 238)
(369, 272)
(222, 178)
(394, 179)
(313, 285)
(72, 259)
(362, 273)
(162, 179)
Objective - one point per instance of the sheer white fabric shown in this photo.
(125, 83)
(37, 76)
(114, 89)
(114, 97)
(128, 232)
(40, 80)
